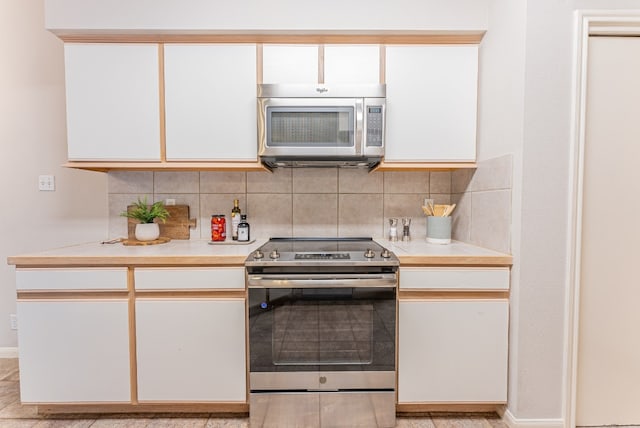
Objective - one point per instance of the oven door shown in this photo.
(346, 333)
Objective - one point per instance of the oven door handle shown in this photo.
(322, 281)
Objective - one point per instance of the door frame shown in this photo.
(586, 23)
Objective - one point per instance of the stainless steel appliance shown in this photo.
(322, 333)
(319, 125)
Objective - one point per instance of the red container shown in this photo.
(218, 228)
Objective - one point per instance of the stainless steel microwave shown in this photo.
(321, 125)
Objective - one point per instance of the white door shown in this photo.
(608, 378)
(453, 351)
(113, 101)
(431, 103)
(210, 102)
(191, 350)
(289, 64)
(74, 351)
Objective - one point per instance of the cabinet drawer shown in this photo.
(189, 278)
(455, 278)
(72, 279)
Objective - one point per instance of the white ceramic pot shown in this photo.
(147, 231)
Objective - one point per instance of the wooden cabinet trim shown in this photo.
(424, 166)
(133, 360)
(216, 294)
(448, 407)
(105, 166)
(162, 112)
(144, 407)
(435, 294)
(73, 295)
(321, 64)
(292, 37)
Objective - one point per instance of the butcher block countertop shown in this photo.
(200, 252)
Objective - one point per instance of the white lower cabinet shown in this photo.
(74, 351)
(191, 349)
(453, 350)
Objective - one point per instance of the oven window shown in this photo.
(317, 333)
(342, 329)
(310, 126)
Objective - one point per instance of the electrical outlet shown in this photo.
(13, 321)
(46, 183)
(169, 202)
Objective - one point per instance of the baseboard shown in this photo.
(514, 422)
(8, 352)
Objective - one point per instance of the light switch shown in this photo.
(46, 183)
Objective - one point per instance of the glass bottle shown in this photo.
(235, 219)
(243, 229)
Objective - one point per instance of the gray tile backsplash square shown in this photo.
(278, 181)
(406, 182)
(176, 182)
(130, 182)
(330, 201)
(270, 214)
(483, 197)
(315, 214)
(360, 214)
(315, 180)
(223, 182)
(359, 181)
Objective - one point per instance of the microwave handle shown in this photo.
(359, 129)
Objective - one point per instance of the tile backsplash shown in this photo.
(329, 201)
(288, 202)
(483, 197)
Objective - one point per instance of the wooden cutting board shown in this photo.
(176, 227)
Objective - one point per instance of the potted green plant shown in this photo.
(147, 229)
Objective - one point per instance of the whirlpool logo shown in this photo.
(321, 90)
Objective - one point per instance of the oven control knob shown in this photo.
(323, 380)
(274, 255)
(385, 254)
(258, 255)
(369, 253)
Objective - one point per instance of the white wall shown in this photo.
(266, 15)
(540, 221)
(32, 143)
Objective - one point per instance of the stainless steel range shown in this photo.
(322, 333)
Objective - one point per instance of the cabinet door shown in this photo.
(54, 279)
(452, 351)
(352, 64)
(74, 351)
(191, 349)
(210, 102)
(113, 108)
(204, 278)
(290, 64)
(446, 278)
(431, 103)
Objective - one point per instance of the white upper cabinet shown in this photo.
(113, 108)
(352, 64)
(290, 64)
(210, 102)
(431, 103)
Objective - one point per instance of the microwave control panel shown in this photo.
(375, 125)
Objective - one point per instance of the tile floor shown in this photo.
(15, 415)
